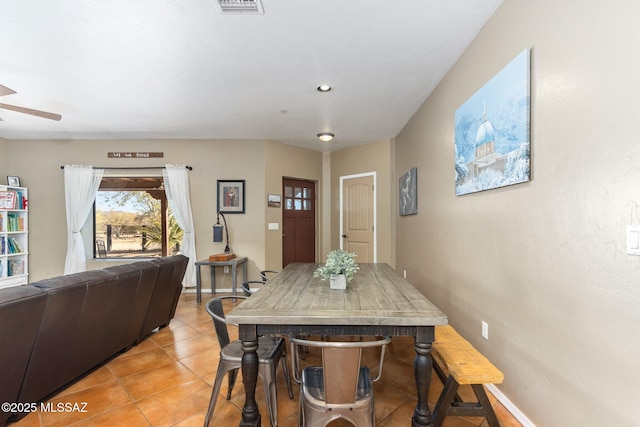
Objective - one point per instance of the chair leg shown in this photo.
(302, 350)
(287, 376)
(270, 392)
(214, 393)
(233, 375)
(300, 412)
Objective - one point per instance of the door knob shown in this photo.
(344, 236)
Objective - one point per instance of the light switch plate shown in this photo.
(633, 239)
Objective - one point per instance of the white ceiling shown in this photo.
(179, 69)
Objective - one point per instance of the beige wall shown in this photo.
(326, 169)
(544, 262)
(4, 164)
(293, 162)
(374, 157)
(38, 165)
(262, 164)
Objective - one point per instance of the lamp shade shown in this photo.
(218, 233)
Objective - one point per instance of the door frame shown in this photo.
(375, 213)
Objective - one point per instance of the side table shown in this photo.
(233, 263)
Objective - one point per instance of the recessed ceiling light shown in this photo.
(324, 88)
(325, 136)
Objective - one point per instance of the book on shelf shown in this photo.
(14, 246)
(16, 267)
(8, 199)
(21, 201)
(15, 222)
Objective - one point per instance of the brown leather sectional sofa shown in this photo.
(54, 331)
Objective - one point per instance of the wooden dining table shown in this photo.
(377, 302)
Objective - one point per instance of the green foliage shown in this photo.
(338, 262)
(153, 233)
(147, 218)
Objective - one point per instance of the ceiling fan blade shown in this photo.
(6, 91)
(43, 114)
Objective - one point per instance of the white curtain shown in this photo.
(176, 185)
(80, 188)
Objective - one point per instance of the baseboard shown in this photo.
(526, 422)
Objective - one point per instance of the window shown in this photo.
(297, 198)
(133, 220)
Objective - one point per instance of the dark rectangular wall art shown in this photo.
(231, 196)
(409, 192)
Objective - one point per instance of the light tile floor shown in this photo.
(166, 381)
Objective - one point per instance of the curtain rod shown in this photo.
(133, 167)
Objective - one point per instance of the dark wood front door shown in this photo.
(298, 221)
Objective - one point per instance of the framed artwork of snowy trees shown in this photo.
(492, 131)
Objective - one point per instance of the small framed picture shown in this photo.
(273, 201)
(13, 181)
(231, 196)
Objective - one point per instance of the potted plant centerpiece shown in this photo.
(339, 268)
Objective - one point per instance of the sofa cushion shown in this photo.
(143, 276)
(55, 343)
(167, 289)
(21, 311)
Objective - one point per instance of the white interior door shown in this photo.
(358, 218)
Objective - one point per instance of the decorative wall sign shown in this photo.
(133, 155)
(409, 192)
(492, 131)
(231, 196)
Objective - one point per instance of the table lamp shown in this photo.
(218, 230)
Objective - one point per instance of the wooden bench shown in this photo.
(457, 362)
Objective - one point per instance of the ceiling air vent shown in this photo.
(228, 7)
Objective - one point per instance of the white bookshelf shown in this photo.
(14, 236)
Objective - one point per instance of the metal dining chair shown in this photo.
(271, 350)
(266, 275)
(341, 387)
(248, 290)
(264, 278)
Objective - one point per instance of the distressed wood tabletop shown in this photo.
(376, 296)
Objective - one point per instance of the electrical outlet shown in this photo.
(226, 269)
(405, 274)
(485, 330)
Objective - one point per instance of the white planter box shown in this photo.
(338, 281)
